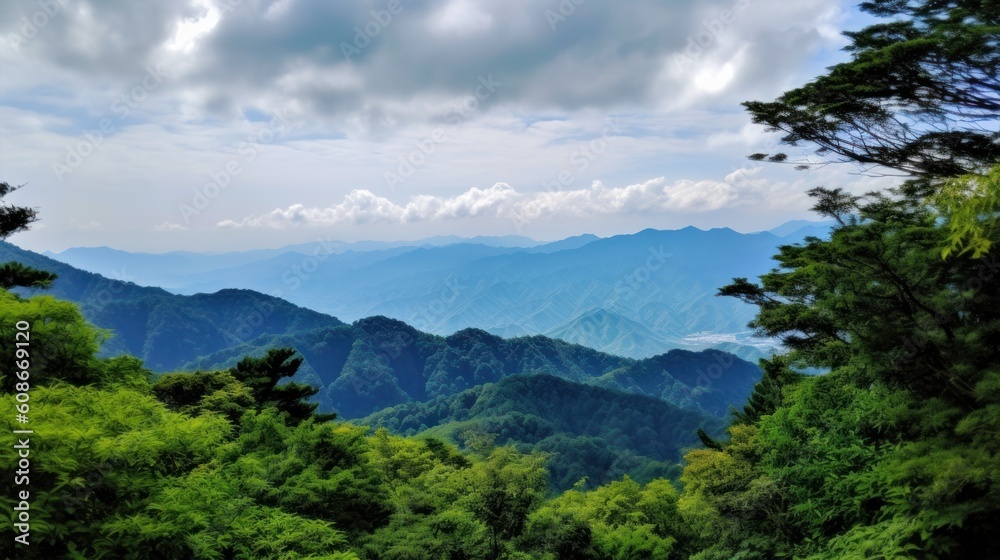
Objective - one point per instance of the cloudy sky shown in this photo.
(235, 124)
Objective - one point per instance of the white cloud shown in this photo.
(361, 206)
(741, 187)
(426, 51)
(168, 226)
(358, 119)
(461, 17)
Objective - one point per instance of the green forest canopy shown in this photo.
(893, 454)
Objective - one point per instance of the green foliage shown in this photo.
(768, 394)
(13, 274)
(60, 344)
(253, 384)
(970, 204)
(878, 295)
(263, 376)
(913, 97)
(621, 520)
(14, 219)
(589, 432)
(894, 453)
(317, 470)
(211, 391)
(841, 471)
(95, 453)
(458, 507)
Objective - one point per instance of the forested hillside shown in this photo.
(167, 330)
(711, 380)
(378, 362)
(235, 463)
(589, 431)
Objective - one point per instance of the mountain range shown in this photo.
(599, 416)
(373, 363)
(167, 330)
(634, 295)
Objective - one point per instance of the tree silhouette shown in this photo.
(14, 219)
(262, 376)
(920, 95)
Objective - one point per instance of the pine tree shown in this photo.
(920, 95)
(14, 219)
(262, 376)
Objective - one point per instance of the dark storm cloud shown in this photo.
(94, 38)
(393, 58)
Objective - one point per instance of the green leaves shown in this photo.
(622, 520)
(96, 452)
(912, 98)
(61, 345)
(970, 205)
(14, 219)
(262, 377)
(14, 274)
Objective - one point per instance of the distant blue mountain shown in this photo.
(167, 330)
(174, 269)
(635, 295)
(803, 228)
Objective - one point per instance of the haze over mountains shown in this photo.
(376, 361)
(600, 416)
(634, 295)
(167, 330)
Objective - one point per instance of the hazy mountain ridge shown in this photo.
(374, 363)
(164, 329)
(664, 281)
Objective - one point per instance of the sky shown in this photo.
(215, 125)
